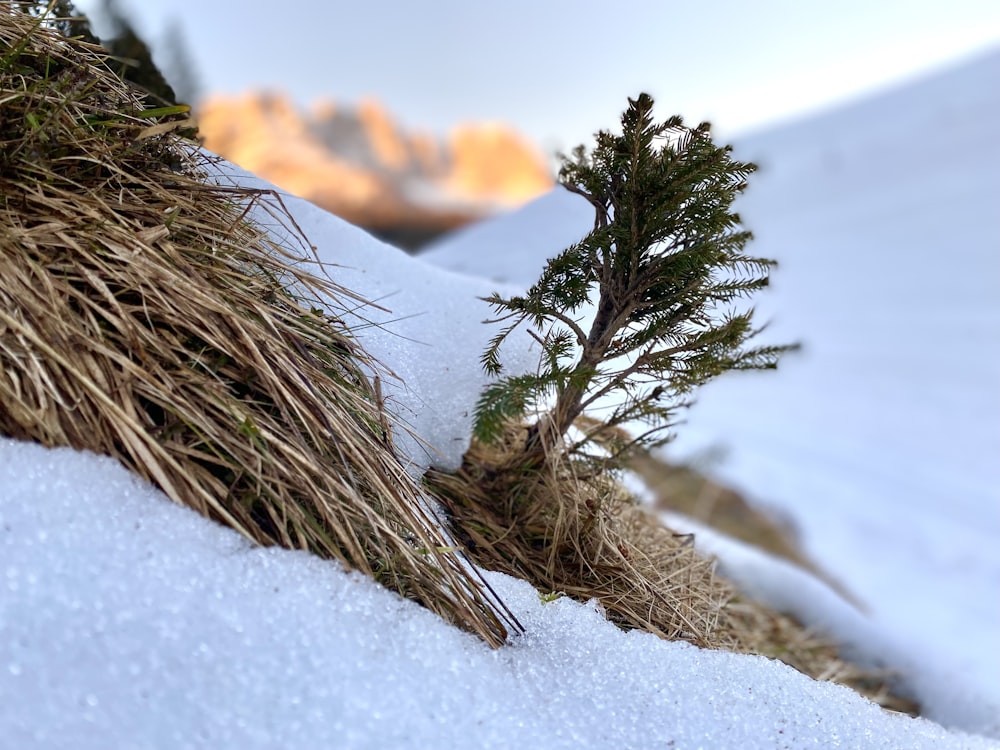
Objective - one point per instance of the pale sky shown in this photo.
(560, 69)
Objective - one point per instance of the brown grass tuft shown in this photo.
(142, 316)
(580, 534)
(571, 531)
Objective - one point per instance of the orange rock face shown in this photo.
(493, 163)
(358, 163)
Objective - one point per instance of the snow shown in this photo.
(513, 249)
(131, 622)
(941, 687)
(126, 621)
(883, 438)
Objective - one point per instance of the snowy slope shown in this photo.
(883, 438)
(884, 218)
(128, 622)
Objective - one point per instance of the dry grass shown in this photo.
(142, 316)
(582, 536)
(568, 530)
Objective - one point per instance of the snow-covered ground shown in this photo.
(882, 439)
(128, 622)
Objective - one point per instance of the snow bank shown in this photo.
(127, 621)
(512, 248)
(941, 688)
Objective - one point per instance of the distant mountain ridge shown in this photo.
(361, 165)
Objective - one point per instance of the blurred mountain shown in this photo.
(405, 187)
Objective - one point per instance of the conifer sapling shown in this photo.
(640, 312)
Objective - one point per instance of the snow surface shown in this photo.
(883, 437)
(129, 622)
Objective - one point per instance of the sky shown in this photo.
(559, 70)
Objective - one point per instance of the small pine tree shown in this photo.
(131, 51)
(135, 57)
(663, 264)
(180, 68)
(61, 15)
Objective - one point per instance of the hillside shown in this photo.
(144, 318)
